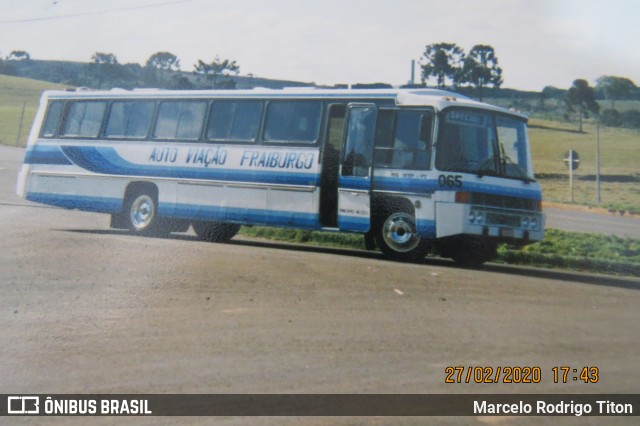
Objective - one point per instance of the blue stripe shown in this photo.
(105, 160)
(426, 228)
(183, 211)
(351, 223)
(240, 215)
(351, 182)
(44, 154)
(421, 186)
(501, 190)
(78, 202)
(385, 183)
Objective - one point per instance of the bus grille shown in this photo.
(504, 202)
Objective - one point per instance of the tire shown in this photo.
(215, 232)
(141, 213)
(397, 237)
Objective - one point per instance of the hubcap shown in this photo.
(399, 233)
(142, 212)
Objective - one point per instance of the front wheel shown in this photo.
(142, 214)
(215, 232)
(398, 238)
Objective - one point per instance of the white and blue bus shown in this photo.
(409, 169)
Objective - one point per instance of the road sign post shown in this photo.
(571, 161)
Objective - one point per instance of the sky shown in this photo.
(538, 42)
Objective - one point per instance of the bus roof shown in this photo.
(438, 99)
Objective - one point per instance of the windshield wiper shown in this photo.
(521, 174)
(488, 167)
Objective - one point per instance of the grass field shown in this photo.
(15, 93)
(619, 163)
(620, 149)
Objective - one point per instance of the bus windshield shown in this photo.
(483, 143)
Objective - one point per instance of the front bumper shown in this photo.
(512, 225)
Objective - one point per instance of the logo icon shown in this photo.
(23, 405)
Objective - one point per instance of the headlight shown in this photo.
(472, 217)
(479, 218)
(534, 223)
(525, 222)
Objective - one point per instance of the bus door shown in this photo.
(354, 183)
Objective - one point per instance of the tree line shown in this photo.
(448, 66)
(448, 63)
(581, 100)
(161, 70)
(443, 65)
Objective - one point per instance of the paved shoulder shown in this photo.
(579, 221)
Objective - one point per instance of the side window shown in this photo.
(52, 122)
(129, 119)
(84, 119)
(180, 120)
(383, 153)
(295, 122)
(235, 121)
(403, 139)
(336, 126)
(359, 143)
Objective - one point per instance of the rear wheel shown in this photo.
(215, 232)
(397, 237)
(142, 214)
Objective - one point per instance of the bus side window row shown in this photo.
(293, 122)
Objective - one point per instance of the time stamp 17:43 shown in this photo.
(506, 374)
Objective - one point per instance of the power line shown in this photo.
(101, 12)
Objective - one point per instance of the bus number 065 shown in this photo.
(450, 180)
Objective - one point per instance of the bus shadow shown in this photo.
(241, 241)
(510, 270)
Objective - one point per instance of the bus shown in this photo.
(412, 170)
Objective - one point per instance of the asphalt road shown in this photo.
(582, 221)
(86, 309)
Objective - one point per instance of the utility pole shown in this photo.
(598, 160)
(413, 72)
(24, 105)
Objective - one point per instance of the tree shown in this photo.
(104, 58)
(443, 61)
(630, 118)
(581, 97)
(108, 72)
(218, 72)
(610, 117)
(551, 92)
(481, 68)
(19, 55)
(6, 68)
(547, 93)
(615, 88)
(159, 69)
(164, 61)
(180, 82)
